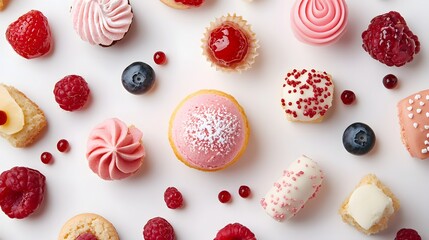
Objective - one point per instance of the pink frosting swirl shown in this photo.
(101, 21)
(115, 151)
(319, 22)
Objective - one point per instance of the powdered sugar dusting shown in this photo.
(212, 128)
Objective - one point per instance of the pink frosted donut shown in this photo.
(208, 130)
(114, 150)
(319, 22)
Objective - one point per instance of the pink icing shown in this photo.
(115, 151)
(209, 131)
(319, 22)
(101, 21)
(413, 114)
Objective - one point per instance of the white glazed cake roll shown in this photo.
(288, 195)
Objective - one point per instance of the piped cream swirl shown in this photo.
(101, 21)
(319, 22)
(115, 151)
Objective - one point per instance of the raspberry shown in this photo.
(389, 40)
(407, 234)
(173, 198)
(158, 229)
(235, 231)
(30, 35)
(21, 191)
(71, 92)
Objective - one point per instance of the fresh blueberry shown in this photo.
(358, 138)
(138, 78)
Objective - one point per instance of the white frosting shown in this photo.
(288, 195)
(368, 204)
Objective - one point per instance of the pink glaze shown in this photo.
(208, 131)
(319, 22)
(413, 113)
(101, 22)
(115, 151)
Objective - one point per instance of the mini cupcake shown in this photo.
(114, 150)
(183, 4)
(101, 22)
(229, 44)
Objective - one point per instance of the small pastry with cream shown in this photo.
(21, 120)
(370, 206)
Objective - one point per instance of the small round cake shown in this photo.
(229, 44)
(307, 95)
(183, 4)
(114, 150)
(101, 22)
(319, 22)
(208, 130)
(87, 226)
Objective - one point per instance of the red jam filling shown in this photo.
(3, 117)
(228, 45)
(195, 3)
(86, 236)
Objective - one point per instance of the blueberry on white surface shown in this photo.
(358, 138)
(138, 78)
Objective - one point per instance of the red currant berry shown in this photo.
(63, 145)
(348, 97)
(46, 157)
(244, 191)
(224, 196)
(390, 81)
(3, 117)
(159, 58)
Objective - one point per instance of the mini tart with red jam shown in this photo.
(183, 4)
(229, 44)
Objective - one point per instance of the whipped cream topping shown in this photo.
(101, 21)
(299, 183)
(115, 151)
(368, 204)
(319, 22)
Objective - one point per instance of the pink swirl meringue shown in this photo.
(101, 22)
(319, 22)
(115, 151)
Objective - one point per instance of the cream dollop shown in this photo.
(319, 22)
(101, 21)
(115, 151)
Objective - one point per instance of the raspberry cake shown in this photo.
(208, 130)
(307, 95)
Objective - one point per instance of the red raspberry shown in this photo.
(158, 229)
(71, 92)
(235, 231)
(30, 35)
(389, 40)
(21, 191)
(173, 198)
(407, 234)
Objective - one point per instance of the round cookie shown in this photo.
(87, 224)
(208, 130)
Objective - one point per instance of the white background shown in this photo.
(274, 142)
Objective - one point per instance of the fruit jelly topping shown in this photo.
(3, 117)
(194, 3)
(307, 94)
(228, 44)
(86, 236)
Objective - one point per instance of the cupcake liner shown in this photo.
(242, 24)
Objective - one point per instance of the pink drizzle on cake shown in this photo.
(101, 22)
(115, 151)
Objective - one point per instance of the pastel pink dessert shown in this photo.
(413, 113)
(101, 22)
(319, 22)
(114, 150)
(299, 183)
(208, 130)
